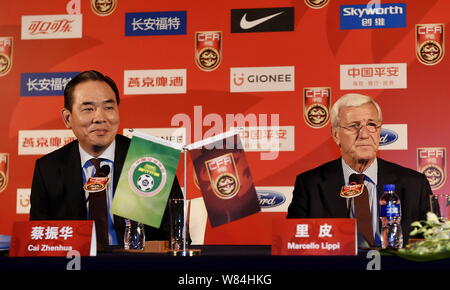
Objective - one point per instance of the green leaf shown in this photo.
(422, 258)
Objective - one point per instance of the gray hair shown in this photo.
(351, 100)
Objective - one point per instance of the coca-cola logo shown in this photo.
(387, 137)
(269, 198)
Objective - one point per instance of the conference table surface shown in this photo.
(220, 258)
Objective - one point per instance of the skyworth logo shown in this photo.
(389, 15)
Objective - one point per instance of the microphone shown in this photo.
(104, 171)
(353, 178)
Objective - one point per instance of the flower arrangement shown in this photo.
(436, 242)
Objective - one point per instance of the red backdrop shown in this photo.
(316, 48)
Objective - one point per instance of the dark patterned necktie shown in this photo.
(98, 209)
(362, 210)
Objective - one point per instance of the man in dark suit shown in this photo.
(356, 121)
(91, 110)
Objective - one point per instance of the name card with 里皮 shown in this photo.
(53, 238)
(314, 237)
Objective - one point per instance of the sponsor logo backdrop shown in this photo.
(196, 65)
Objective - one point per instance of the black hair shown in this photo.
(90, 75)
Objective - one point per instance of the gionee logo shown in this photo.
(238, 81)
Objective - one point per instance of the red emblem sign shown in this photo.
(208, 49)
(316, 4)
(316, 106)
(103, 7)
(5, 55)
(223, 176)
(314, 237)
(52, 238)
(96, 184)
(432, 163)
(430, 45)
(4, 160)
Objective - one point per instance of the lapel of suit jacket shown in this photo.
(73, 183)
(333, 180)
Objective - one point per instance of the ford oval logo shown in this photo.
(268, 198)
(387, 137)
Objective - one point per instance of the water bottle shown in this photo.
(134, 237)
(390, 215)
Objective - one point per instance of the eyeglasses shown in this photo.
(372, 127)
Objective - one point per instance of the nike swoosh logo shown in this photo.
(250, 24)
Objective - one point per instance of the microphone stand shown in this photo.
(185, 252)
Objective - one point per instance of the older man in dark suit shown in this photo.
(91, 110)
(356, 121)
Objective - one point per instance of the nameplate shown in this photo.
(315, 237)
(52, 238)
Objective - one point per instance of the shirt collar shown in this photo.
(107, 154)
(371, 172)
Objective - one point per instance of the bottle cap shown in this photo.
(389, 187)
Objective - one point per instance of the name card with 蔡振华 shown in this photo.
(53, 238)
(314, 237)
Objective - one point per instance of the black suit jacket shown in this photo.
(57, 190)
(316, 192)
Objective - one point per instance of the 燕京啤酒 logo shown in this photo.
(208, 49)
(147, 176)
(432, 163)
(430, 46)
(103, 7)
(223, 176)
(316, 106)
(5, 55)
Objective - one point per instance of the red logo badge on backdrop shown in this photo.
(208, 49)
(103, 7)
(6, 51)
(316, 103)
(223, 176)
(52, 238)
(430, 45)
(432, 163)
(4, 164)
(316, 4)
(314, 237)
